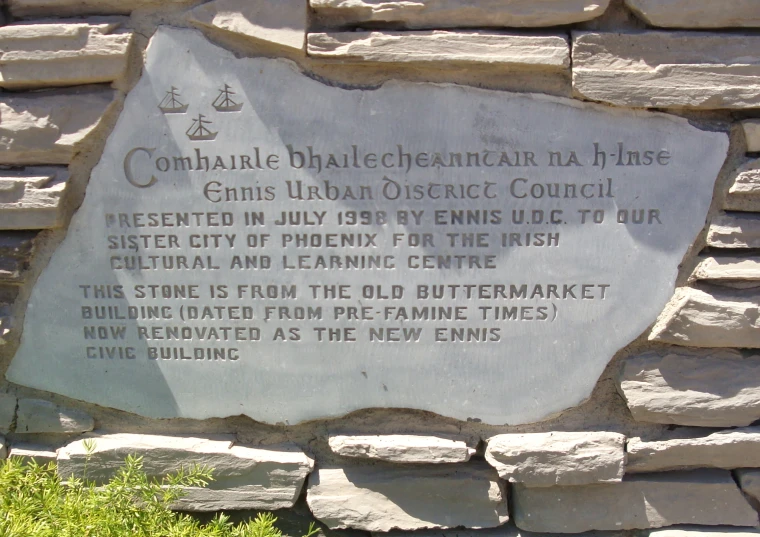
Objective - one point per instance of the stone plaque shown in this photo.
(254, 241)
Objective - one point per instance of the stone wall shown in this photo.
(666, 438)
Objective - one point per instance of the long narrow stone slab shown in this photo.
(728, 270)
(40, 416)
(401, 448)
(696, 531)
(48, 127)
(57, 54)
(697, 13)
(744, 192)
(667, 69)
(31, 199)
(244, 477)
(557, 458)
(500, 50)
(720, 318)
(383, 498)
(462, 13)
(735, 448)
(720, 389)
(67, 8)
(33, 453)
(705, 497)
(734, 230)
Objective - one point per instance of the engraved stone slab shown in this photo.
(256, 242)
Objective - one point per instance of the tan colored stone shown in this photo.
(402, 448)
(667, 69)
(705, 497)
(729, 449)
(282, 22)
(751, 128)
(244, 477)
(721, 270)
(557, 458)
(383, 497)
(462, 13)
(31, 199)
(501, 50)
(697, 13)
(33, 453)
(744, 192)
(721, 318)
(48, 127)
(40, 416)
(735, 230)
(701, 388)
(68, 8)
(56, 54)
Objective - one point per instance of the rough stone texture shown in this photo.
(721, 318)
(32, 452)
(667, 69)
(244, 477)
(697, 13)
(694, 531)
(16, 249)
(749, 481)
(30, 199)
(708, 497)
(40, 416)
(382, 498)
(508, 530)
(716, 389)
(462, 13)
(282, 22)
(724, 270)
(751, 129)
(723, 449)
(56, 54)
(514, 51)
(67, 8)
(3, 448)
(735, 230)
(558, 458)
(47, 127)
(402, 448)
(8, 404)
(744, 192)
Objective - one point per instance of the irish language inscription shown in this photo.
(257, 242)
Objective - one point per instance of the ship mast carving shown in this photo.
(198, 130)
(224, 101)
(171, 103)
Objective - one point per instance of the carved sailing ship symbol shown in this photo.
(198, 131)
(224, 101)
(171, 103)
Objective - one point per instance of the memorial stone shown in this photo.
(256, 242)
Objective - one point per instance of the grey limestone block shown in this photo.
(33, 452)
(462, 13)
(244, 477)
(382, 498)
(697, 531)
(557, 458)
(46, 54)
(704, 497)
(697, 13)
(500, 50)
(40, 416)
(749, 481)
(8, 404)
(657, 69)
(68, 8)
(733, 448)
(719, 318)
(31, 199)
(735, 230)
(751, 128)
(281, 23)
(705, 389)
(402, 448)
(744, 192)
(48, 127)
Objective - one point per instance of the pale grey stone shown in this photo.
(697, 13)
(704, 497)
(67, 8)
(749, 481)
(734, 448)
(383, 498)
(558, 458)
(3, 448)
(751, 128)
(8, 404)
(401, 448)
(667, 69)
(48, 127)
(715, 389)
(508, 530)
(463, 13)
(245, 477)
(280, 107)
(696, 531)
(33, 453)
(735, 230)
(40, 416)
(62, 54)
(282, 22)
(720, 318)
(550, 52)
(31, 199)
(721, 270)
(744, 192)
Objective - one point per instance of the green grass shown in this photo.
(35, 502)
